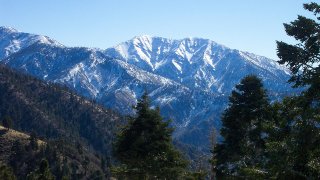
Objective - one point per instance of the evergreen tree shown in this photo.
(18, 154)
(303, 59)
(43, 173)
(293, 141)
(242, 149)
(6, 173)
(33, 141)
(145, 146)
(65, 169)
(7, 122)
(213, 159)
(294, 135)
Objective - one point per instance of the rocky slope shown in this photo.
(190, 79)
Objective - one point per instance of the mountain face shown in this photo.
(198, 63)
(20, 153)
(52, 111)
(12, 41)
(189, 79)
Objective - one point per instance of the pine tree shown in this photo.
(33, 141)
(242, 149)
(17, 156)
(303, 58)
(6, 173)
(293, 141)
(145, 145)
(42, 173)
(7, 122)
(294, 135)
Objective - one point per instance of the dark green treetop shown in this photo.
(294, 134)
(145, 145)
(42, 173)
(303, 59)
(6, 173)
(242, 129)
(7, 122)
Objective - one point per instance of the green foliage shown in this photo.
(6, 173)
(293, 142)
(252, 173)
(242, 129)
(54, 111)
(33, 141)
(198, 175)
(18, 152)
(303, 58)
(98, 175)
(294, 134)
(73, 127)
(63, 157)
(145, 147)
(42, 173)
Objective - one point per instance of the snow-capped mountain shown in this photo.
(189, 79)
(197, 63)
(12, 41)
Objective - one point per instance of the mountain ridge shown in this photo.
(184, 56)
(190, 79)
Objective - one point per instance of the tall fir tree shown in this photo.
(42, 173)
(242, 149)
(294, 136)
(33, 142)
(303, 59)
(293, 141)
(7, 122)
(145, 146)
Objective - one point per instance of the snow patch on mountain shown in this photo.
(190, 79)
(196, 62)
(11, 41)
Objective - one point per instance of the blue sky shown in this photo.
(249, 25)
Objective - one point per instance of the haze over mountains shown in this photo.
(190, 79)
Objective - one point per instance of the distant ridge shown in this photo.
(190, 79)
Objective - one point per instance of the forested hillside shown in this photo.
(54, 113)
(21, 156)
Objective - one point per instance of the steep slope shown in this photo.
(7, 139)
(53, 112)
(199, 63)
(18, 151)
(112, 82)
(189, 79)
(12, 41)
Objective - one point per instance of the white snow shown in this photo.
(177, 65)
(263, 62)
(166, 99)
(159, 64)
(123, 50)
(203, 66)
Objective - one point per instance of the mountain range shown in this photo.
(189, 79)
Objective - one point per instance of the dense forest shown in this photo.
(263, 140)
(79, 134)
(67, 122)
(22, 156)
(51, 133)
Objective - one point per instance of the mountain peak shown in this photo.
(144, 36)
(7, 29)
(157, 40)
(188, 78)
(13, 41)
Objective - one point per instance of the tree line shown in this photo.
(259, 139)
(263, 140)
